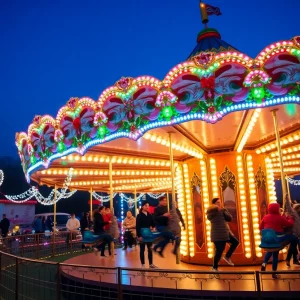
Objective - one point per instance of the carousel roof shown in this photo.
(209, 40)
(219, 100)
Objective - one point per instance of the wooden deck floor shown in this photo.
(96, 269)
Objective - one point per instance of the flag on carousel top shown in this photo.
(208, 10)
(212, 10)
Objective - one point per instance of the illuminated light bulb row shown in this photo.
(159, 140)
(176, 71)
(162, 188)
(285, 151)
(214, 180)
(249, 129)
(190, 223)
(139, 81)
(181, 207)
(286, 157)
(287, 163)
(210, 247)
(143, 185)
(106, 182)
(275, 49)
(270, 180)
(287, 170)
(254, 205)
(105, 172)
(290, 138)
(119, 160)
(243, 205)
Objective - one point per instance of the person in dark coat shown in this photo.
(85, 224)
(145, 220)
(99, 224)
(161, 220)
(220, 232)
(4, 226)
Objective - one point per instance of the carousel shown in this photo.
(220, 124)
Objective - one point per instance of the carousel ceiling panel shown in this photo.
(221, 135)
(141, 147)
(288, 117)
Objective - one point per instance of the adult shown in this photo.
(72, 225)
(99, 224)
(294, 212)
(4, 226)
(129, 224)
(275, 221)
(161, 220)
(85, 225)
(220, 233)
(145, 222)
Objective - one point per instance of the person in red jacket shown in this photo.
(274, 220)
(107, 218)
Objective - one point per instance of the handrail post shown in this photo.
(53, 243)
(17, 279)
(58, 283)
(258, 285)
(120, 295)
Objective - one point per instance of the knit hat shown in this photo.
(214, 200)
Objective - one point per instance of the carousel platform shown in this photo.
(100, 275)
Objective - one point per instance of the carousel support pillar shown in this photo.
(172, 166)
(288, 187)
(91, 203)
(111, 192)
(173, 184)
(283, 183)
(135, 200)
(168, 200)
(54, 208)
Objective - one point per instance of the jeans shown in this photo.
(293, 252)
(129, 240)
(142, 253)
(167, 236)
(274, 261)
(106, 239)
(220, 247)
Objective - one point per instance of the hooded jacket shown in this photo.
(273, 220)
(218, 218)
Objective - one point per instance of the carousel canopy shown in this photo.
(219, 100)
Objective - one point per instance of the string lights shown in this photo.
(190, 222)
(181, 207)
(210, 247)
(1, 177)
(51, 199)
(254, 205)
(243, 205)
(270, 180)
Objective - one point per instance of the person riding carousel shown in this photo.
(273, 227)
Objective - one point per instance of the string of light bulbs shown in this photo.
(51, 199)
(1, 177)
(103, 198)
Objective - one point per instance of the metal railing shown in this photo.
(23, 276)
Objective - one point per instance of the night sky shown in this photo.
(52, 50)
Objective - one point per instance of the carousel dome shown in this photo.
(209, 40)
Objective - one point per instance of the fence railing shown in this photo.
(24, 276)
